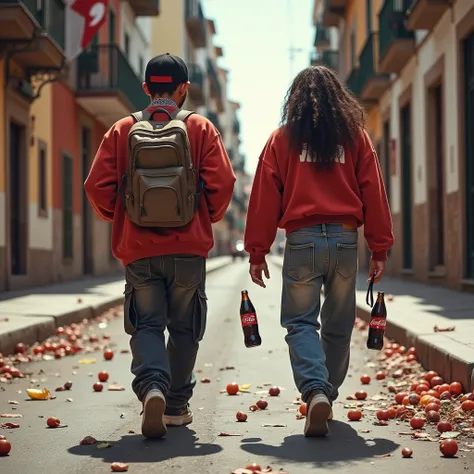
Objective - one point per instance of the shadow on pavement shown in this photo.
(133, 448)
(343, 444)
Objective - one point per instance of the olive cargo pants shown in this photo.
(165, 292)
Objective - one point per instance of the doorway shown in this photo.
(87, 252)
(405, 149)
(435, 178)
(469, 156)
(18, 201)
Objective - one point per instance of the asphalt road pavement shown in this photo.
(357, 448)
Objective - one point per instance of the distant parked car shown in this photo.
(237, 250)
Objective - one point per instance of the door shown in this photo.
(469, 157)
(18, 196)
(436, 181)
(405, 149)
(87, 254)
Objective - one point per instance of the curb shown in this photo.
(452, 360)
(40, 328)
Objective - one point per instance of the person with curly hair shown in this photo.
(318, 178)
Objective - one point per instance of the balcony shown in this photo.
(216, 89)
(396, 44)
(195, 23)
(145, 7)
(21, 21)
(333, 13)
(424, 14)
(322, 37)
(373, 82)
(236, 127)
(354, 82)
(214, 118)
(326, 58)
(196, 89)
(107, 86)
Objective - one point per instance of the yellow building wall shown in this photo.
(168, 29)
(374, 125)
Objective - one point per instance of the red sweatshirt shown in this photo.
(212, 164)
(290, 192)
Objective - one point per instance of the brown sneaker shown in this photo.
(317, 415)
(153, 424)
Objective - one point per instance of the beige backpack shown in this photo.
(160, 183)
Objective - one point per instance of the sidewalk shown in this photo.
(415, 310)
(33, 315)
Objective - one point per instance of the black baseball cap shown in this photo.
(166, 69)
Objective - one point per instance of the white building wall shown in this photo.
(441, 41)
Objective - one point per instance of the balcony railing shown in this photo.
(51, 16)
(216, 90)
(214, 118)
(392, 19)
(104, 69)
(369, 60)
(195, 75)
(327, 58)
(322, 36)
(195, 22)
(236, 127)
(355, 82)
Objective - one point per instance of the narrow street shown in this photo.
(108, 416)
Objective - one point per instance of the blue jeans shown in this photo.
(317, 256)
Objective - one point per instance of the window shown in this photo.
(42, 181)
(68, 216)
(126, 40)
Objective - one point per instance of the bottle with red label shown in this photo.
(248, 319)
(377, 324)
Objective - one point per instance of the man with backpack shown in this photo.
(162, 177)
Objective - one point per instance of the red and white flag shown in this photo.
(84, 18)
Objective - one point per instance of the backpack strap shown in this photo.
(182, 114)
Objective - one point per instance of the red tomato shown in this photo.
(455, 388)
(232, 388)
(365, 379)
(417, 423)
(448, 448)
(5, 447)
(354, 415)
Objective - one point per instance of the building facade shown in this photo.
(54, 113)
(183, 29)
(53, 116)
(411, 63)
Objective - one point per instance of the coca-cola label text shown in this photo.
(378, 323)
(248, 319)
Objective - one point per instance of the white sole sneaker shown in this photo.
(180, 420)
(317, 416)
(153, 424)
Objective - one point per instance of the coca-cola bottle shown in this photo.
(377, 324)
(248, 319)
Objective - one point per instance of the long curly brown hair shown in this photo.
(320, 116)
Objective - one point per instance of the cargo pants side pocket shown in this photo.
(200, 315)
(129, 314)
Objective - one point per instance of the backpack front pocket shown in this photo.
(161, 196)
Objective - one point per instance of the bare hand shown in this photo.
(378, 268)
(256, 274)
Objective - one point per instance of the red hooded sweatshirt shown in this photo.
(213, 168)
(290, 192)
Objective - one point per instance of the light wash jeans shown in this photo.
(320, 255)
